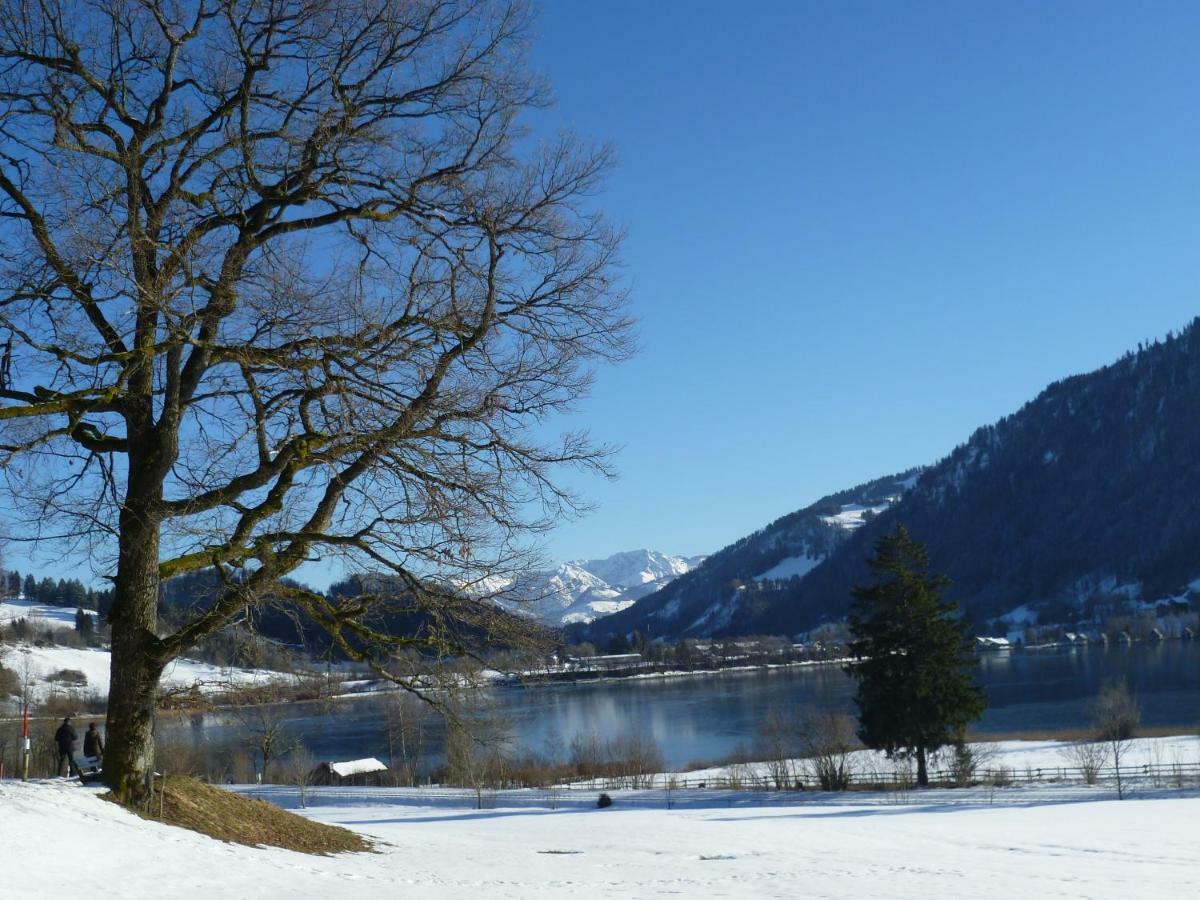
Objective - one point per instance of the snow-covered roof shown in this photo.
(357, 767)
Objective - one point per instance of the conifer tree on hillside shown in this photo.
(912, 656)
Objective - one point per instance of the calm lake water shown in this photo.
(709, 717)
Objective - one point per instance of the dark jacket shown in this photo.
(93, 744)
(65, 738)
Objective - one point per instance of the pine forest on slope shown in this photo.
(1085, 495)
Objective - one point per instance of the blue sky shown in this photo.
(858, 231)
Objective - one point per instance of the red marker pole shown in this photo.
(25, 742)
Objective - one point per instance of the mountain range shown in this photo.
(1086, 495)
(583, 590)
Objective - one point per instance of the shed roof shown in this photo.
(357, 767)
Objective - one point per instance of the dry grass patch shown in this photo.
(1074, 734)
(226, 816)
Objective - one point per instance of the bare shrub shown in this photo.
(631, 759)
(966, 760)
(904, 775)
(587, 754)
(478, 750)
(827, 740)
(637, 757)
(68, 676)
(1089, 757)
(1001, 776)
(778, 743)
(177, 756)
(10, 683)
(736, 777)
(534, 770)
(71, 702)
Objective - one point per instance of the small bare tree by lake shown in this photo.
(267, 736)
(1116, 715)
(778, 744)
(301, 768)
(406, 719)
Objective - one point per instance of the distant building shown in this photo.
(992, 643)
(358, 772)
(605, 663)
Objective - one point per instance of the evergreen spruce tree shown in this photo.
(912, 655)
(84, 625)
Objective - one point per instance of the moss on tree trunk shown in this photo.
(136, 665)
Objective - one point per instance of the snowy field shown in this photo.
(39, 614)
(94, 663)
(1021, 759)
(870, 847)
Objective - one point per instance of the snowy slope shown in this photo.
(788, 846)
(95, 664)
(790, 567)
(39, 614)
(853, 516)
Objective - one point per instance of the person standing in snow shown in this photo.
(93, 743)
(64, 740)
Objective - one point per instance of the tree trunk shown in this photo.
(136, 666)
(922, 772)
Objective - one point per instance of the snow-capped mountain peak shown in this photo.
(585, 589)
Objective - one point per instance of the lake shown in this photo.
(707, 717)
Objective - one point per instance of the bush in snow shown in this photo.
(1089, 757)
(68, 676)
(604, 802)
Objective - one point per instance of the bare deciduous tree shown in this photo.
(778, 744)
(478, 748)
(406, 718)
(267, 735)
(1116, 714)
(301, 769)
(281, 279)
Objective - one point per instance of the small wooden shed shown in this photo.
(358, 772)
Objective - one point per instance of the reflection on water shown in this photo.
(708, 717)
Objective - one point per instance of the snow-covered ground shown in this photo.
(1020, 759)
(791, 567)
(39, 614)
(94, 664)
(853, 515)
(857, 847)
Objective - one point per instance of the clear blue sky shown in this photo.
(857, 231)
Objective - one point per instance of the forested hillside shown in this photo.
(736, 586)
(1086, 494)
